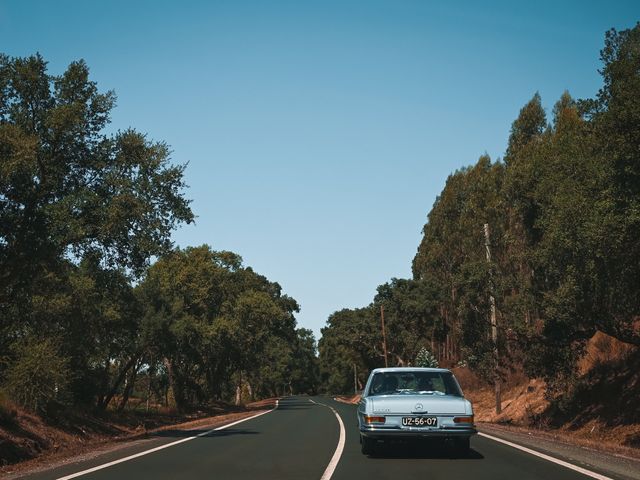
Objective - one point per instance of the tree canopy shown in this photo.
(563, 209)
(89, 279)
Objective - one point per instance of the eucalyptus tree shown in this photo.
(615, 119)
(453, 250)
(412, 317)
(563, 207)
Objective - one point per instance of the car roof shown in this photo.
(408, 369)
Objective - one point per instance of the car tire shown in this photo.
(367, 445)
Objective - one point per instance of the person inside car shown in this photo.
(425, 384)
(389, 385)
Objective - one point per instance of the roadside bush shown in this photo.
(426, 359)
(8, 411)
(37, 373)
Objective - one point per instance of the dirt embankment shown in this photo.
(31, 441)
(599, 410)
(351, 400)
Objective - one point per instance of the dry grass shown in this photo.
(351, 400)
(521, 404)
(32, 440)
(600, 410)
(603, 349)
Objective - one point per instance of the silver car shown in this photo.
(414, 403)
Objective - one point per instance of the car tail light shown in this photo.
(368, 419)
(463, 419)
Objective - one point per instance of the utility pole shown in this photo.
(355, 379)
(494, 324)
(384, 336)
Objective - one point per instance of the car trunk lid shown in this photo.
(419, 404)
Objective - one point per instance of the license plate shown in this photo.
(419, 421)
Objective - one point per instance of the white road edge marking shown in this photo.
(333, 463)
(161, 447)
(549, 458)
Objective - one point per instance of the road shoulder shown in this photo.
(107, 451)
(610, 464)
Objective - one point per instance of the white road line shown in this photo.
(161, 447)
(333, 463)
(571, 466)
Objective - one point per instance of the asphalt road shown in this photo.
(298, 441)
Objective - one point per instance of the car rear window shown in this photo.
(414, 383)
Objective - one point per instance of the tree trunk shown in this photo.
(105, 383)
(174, 384)
(238, 393)
(114, 388)
(250, 390)
(128, 388)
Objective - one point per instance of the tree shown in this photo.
(212, 322)
(564, 214)
(425, 359)
(615, 123)
(304, 363)
(529, 125)
(81, 212)
(69, 188)
(100, 331)
(412, 316)
(38, 375)
(351, 337)
(453, 246)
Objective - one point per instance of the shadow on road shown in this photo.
(295, 405)
(192, 433)
(424, 451)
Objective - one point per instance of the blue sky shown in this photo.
(318, 134)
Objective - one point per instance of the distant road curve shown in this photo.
(315, 438)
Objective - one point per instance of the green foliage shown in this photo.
(8, 412)
(38, 375)
(213, 323)
(412, 316)
(564, 215)
(351, 338)
(565, 260)
(304, 363)
(425, 359)
(529, 126)
(66, 188)
(82, 214)
(288, 368)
